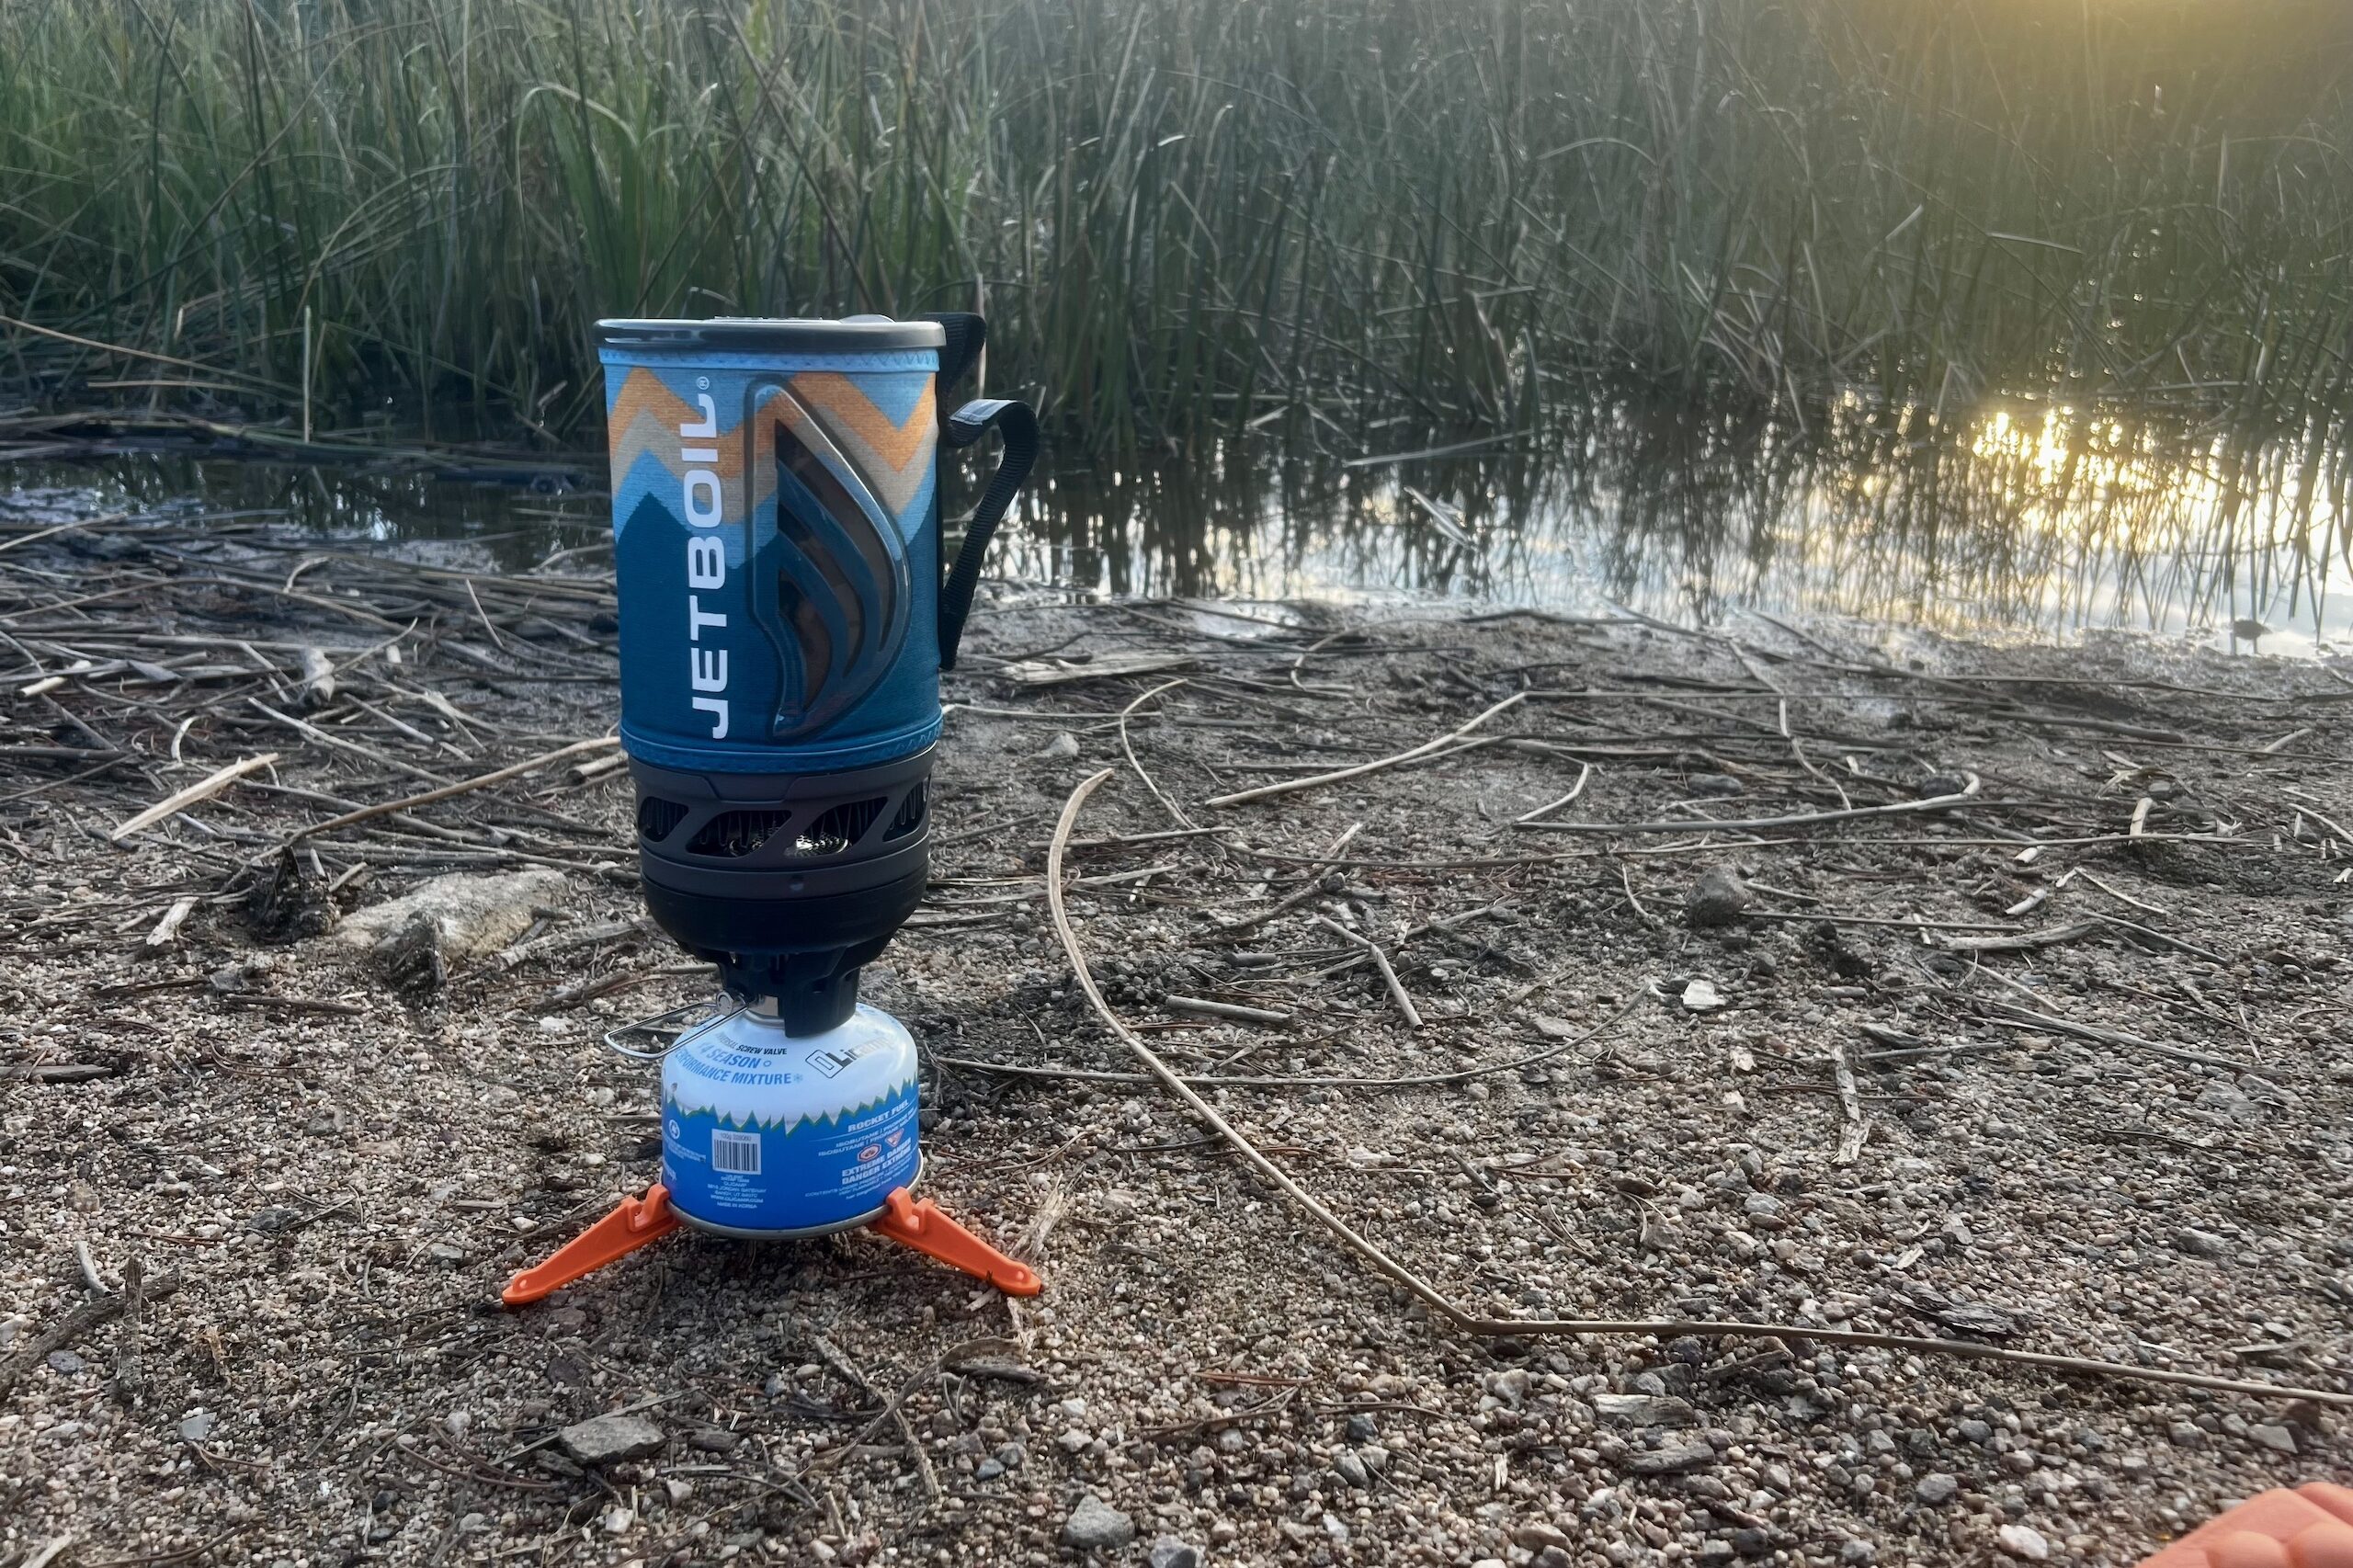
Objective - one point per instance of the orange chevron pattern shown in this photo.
(892, 460)
(645, 418)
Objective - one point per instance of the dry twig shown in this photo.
(1585, 772)
(448, 792)
(1965, 799)
(1427, 748)
(77, 1323)
(1126, 745)
(1397, 991)
(203, 790)
(1854, 1127)
(1240, 1015)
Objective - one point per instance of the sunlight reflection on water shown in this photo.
(2031, 521)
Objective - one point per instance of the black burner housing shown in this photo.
(790, 884)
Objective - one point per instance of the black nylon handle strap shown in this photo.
(966, 333)
(1019, 426)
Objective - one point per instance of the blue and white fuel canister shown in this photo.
(768, 1134)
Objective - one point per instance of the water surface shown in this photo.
(2027, 520)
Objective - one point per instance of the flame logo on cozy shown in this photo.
(837, 601)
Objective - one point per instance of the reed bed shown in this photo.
(1374, 217)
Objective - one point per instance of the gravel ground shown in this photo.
(306, 1178)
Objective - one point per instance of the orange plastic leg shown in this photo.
(922, 1227)
(637, 1221)
(2309, 1527)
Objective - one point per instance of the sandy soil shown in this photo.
(300, 1184)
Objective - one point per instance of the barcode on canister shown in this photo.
(736, 1153)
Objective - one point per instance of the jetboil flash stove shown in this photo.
(783, 624)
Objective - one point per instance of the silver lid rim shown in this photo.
(771, 336)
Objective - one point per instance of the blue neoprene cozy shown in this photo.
(776, 542)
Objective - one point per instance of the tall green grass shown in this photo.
(1184, 217)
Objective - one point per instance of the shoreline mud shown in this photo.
(1831, 977)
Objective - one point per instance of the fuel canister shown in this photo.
(764, 1134)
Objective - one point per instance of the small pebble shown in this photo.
(1716, 899)
(2202, 1244)
(1672, 1458)
(604, 1440)
(2277, 1438)
(2023, 1541)
(1095, 1524)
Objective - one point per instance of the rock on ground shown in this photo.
(1701, 996)
(1644, 1410)
(1095, 1524)
(1170, 1553)
(1716, 899)
(607, 1439)
(472, 916)
(2202, 1244)
(1671, 1457)
(2023, 1541)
